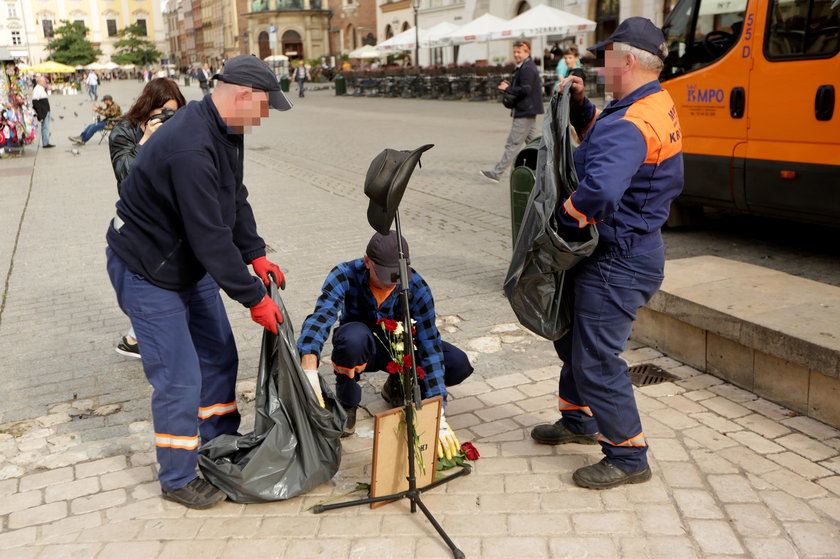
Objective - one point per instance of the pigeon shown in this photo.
(75, 113)
(60, 116)
(73, 151)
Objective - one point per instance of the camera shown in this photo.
(163, 116)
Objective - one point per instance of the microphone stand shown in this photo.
(411, 398)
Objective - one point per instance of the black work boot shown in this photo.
(350, 422)
(604, 475)
(392, 391)
(197, 494)
(557, 433)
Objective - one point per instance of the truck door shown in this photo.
(793, 151)
(707, 72)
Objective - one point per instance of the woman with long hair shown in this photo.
(157, 102)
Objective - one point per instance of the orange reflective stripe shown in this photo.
(351, 372)
(174, 441)
(216, 409)
(588, 126)
(638, 440)
(563, 405)
(572, 211)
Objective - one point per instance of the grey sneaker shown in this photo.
(604, 475)
(557, 433)
(197, 494)
(127, 349)
(350, 423)
(76, 140)
(490, 175)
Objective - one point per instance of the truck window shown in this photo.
(699, 32)
(802, 29)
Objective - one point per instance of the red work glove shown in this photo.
(262, 266)
(266, 313)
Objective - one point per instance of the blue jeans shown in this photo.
(45, 130)
(596, 394)
(356, 348)
(190, 359)
(300, 86)
(92, 92)
(92, 129)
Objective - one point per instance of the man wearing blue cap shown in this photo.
(630, 168)
(183, 229)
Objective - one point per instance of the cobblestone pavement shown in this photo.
(734, 475)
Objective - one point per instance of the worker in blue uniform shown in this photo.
(630, 167)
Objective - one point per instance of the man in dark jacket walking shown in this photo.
(41, 104)
(527, 89)
(183, 229)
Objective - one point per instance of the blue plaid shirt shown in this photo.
(346, 296)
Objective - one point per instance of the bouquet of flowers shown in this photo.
(394, 333)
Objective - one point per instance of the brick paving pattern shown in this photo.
(734, 475)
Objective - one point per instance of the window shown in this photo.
(12, 9)
(47, 26)
(698, 32)
(112, 27)
(16, 38)
(141, 23)
(802, 29)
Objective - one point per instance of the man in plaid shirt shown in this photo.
(359, 293)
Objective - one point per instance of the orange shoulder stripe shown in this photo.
(656, 118)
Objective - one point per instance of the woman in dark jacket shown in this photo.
(161, 96)
(157, 102)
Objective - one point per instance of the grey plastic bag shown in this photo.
(537, 283)
(295, 444)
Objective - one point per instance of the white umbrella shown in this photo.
(110, 66)
(403, 41)
(276, 58)
(478, 29)
(366, 51)
(95, 66)
(543, 20)
(434, 36)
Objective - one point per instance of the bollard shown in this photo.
(340, 85)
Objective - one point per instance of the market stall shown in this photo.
(17, 119)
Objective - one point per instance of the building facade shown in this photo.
(37, 20)
(353, 25)
(297, 29)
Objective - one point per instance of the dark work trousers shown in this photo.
(595, 390)
(355, 348)
(190, 359)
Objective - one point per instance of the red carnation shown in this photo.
(393, 367)
(406, 360)
(471, 451)
(390, 325)
(420, 372)
(380, 321)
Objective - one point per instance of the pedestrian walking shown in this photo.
(92, 82)
(41, 105)
(183, 229)
(630, 166)
(204, 79)
(300, 75)
(157, 102)
(526, 91)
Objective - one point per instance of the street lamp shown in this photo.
(416, 5)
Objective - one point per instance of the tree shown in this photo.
(71, 46)
(133, 49)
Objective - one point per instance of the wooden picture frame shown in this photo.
(390, 454)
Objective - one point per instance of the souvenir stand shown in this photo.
(17, 118)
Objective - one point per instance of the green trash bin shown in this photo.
(522, 179)
(284, 83)
(340, 85)
(186, 81)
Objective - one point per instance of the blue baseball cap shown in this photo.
(639, 32)
(250, 71)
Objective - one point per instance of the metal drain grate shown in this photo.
(648, 374)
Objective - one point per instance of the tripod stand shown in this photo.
(411, 398)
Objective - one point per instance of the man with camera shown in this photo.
(109, 114)
(523, 95)
(184, 229)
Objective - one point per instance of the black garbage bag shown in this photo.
(295, 443)
(537, 285)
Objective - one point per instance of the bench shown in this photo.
(769, 332)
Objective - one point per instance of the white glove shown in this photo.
(448, 445)
(315, 383)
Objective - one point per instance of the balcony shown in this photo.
(284, 5)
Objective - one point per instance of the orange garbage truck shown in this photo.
(755, 83)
